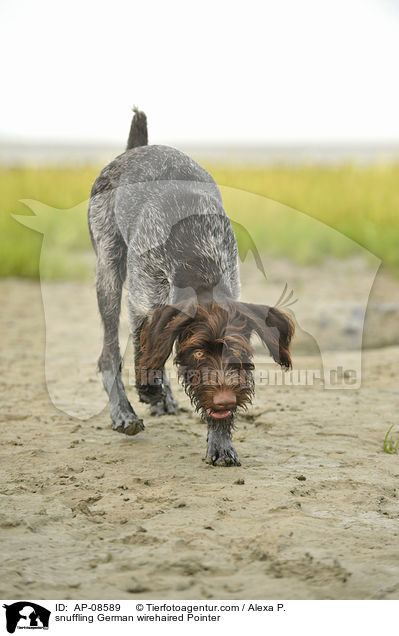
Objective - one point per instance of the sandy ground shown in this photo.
(86, 512)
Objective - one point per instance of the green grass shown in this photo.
(361, 202)
(390, 446)
(20, 247)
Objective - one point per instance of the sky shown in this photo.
(247, 72)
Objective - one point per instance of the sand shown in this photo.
(85, 512)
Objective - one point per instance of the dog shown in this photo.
(157, 217)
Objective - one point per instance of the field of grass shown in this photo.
(362, 202)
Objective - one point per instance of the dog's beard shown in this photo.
(201, 394)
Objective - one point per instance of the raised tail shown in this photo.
(138, 135)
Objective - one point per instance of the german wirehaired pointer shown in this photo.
(157, 216)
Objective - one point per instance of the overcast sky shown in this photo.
(204, 71)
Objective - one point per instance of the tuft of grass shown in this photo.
(390, 446)
(361, 202)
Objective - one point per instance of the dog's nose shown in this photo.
(225, 400)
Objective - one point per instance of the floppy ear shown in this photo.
(158, 336)
(274, 327)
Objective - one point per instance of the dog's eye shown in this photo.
(198, 354)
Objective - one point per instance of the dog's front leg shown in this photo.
(110, 277)
(220, 451)
(124, 419)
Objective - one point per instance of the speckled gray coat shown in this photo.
(158, 216)
(168, 212)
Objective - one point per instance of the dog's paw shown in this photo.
(127, 423)
(225, 457)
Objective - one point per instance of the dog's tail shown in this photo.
(138, 135)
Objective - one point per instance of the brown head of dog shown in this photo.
(213, 351)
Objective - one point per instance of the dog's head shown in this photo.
(213, 351)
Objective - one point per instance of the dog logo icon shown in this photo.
(26, 615)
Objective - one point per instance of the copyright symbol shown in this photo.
(139, 607)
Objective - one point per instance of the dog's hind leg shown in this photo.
(111, 273)
(157, 394)
(163, 403)
(168, 404)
